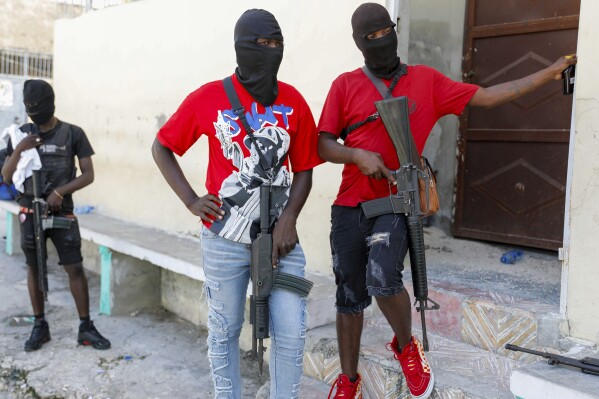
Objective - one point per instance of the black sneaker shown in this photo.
(39, 336)
(89, 336)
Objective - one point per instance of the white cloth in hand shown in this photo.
(30, 159)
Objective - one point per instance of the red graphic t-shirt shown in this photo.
(351, 98)
(285, 135)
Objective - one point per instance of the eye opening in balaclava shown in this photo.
(38, 97)
(380, 55)
(258, 65)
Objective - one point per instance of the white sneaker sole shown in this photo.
(429, 390)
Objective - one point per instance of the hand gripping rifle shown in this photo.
(265, 278)
(588, 365)
(394, 114)
(42, 222)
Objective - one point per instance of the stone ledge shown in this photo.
(485, 321)
(541, 381)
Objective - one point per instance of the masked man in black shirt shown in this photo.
(57, 144)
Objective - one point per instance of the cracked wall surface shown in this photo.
(582, 230)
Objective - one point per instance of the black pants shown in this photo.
(66, 241)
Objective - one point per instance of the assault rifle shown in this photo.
(42, 222)
(265, 278)
(587, 365)
(394, 114)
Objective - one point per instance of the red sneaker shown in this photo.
(415, 368)
(347, 389)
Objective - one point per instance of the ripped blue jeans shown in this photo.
(226, 266)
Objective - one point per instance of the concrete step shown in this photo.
(461, 370)
(480, 312)
(541, 380)
(485, 321)
(486, 303)
(481, 316)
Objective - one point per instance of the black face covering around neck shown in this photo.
(380, 55)
(38, 97)
(257, 65)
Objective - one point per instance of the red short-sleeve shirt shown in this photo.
(351, 98)
(285, 134)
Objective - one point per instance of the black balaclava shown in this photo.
(38, 97)
(380, 55)
(257, 65)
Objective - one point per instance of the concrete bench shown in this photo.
(119, 252)
(12, 209)
(125, 285)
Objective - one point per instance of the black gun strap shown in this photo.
(384, 92)
(345, 132)
(379, 84)
(240, 112)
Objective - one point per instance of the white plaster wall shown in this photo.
(583, 269)
(436, 40)
(121, 72)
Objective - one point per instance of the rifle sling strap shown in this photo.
(240, 112)
(379, 84)
(289, 282)
(384, 92)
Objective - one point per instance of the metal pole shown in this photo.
(26, 64)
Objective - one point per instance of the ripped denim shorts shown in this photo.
(368, 256)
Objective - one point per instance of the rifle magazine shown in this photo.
(296, 284)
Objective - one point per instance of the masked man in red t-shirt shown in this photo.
(368, 254)
(283, 139)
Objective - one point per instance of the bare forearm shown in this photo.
(84, 179)
(509, 91)
(370, 163)
(174, 176)
(300, 189)
(10, 165)
(331, 150)
(76, 184)
(505, 92)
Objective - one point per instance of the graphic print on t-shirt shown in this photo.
(238, 191)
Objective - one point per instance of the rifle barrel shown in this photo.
(40, 239)
(423, 321)
(558, 359)
(261, 355)
(516, 348)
